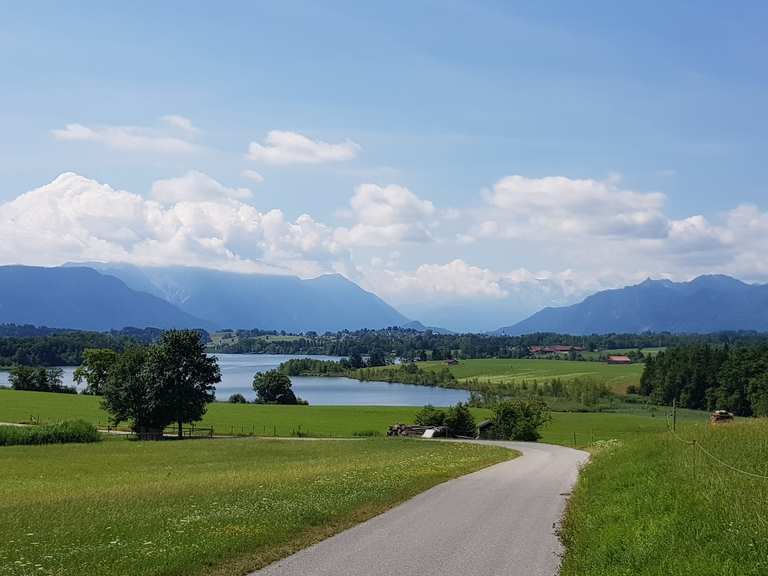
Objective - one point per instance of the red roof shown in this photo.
(620, 359)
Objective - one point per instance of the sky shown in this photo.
(469, 162)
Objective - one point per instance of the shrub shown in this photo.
(366, 433)
(430, 416)
(520, 419)
(59, 433)
(460, 421)
(237, 399)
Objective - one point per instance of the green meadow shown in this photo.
(505, 370)
(651, 504)
(567, 428)
(223, 506)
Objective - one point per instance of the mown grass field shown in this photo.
(654, 505)
(202, 506)
(517, 370)
(568, 428)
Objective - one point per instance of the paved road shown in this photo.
(498, 521)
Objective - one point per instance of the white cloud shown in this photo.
(252, 175)
(135, 138)
(576, 207)
(387, 215)
(194, 187)
(75, 218)
(181, 123)
(281, 147)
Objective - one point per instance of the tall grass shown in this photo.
(72, 431)
(202, 507)
(655, 505)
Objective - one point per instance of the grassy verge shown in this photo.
(653, 505)
(205, 506)
(71, 431)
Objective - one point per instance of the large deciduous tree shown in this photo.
(94, 370)
(172, 381)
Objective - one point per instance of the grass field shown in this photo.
(571, 429)
(500, 370)
(619, 351)
(654, 505)
(202, 506)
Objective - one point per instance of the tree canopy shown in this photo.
(273, 387)
(171, 381)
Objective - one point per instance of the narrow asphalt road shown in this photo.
(498, 521)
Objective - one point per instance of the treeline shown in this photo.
(411, 345)
(39, 380)
(706, 377)
(407, 373)
(31, 346)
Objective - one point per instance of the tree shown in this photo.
(95, 368)
(172, 381)
(460, 421)
(520, 419)
(273, 387)
(38, 379)
(127, 393)
(430, 416)
(183, 376)
(237, 399)
(23, 378)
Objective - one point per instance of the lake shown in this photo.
(237, 372)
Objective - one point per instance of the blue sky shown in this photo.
(653, 117)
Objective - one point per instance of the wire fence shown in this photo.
(698, 447)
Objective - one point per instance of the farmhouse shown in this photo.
(619, 360)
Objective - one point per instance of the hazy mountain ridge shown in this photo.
(706, 304)
(268, 302)
(82, 298)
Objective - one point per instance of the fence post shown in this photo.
(674, 414)
(574, 439)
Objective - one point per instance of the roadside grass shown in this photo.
(506, 370)
(653, 505)
(203, 506)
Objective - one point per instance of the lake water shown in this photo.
(237, 372)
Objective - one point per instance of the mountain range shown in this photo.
(111, 296)
(706, 304)
(98, 296)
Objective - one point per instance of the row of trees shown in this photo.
(705, 377)
(512, 420)
(30, 346)
(414, 345)
(38, 380)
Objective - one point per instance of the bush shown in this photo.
(460, 421)
(60, 433)
(430, 416)
(520, 419)
(237, 399)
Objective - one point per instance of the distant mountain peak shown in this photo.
(709, 303)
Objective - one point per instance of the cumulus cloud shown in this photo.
(387, 215)
(195, 187)
(76, 218)
(576, 207)
(283, 148)
(252, 175)
(135, 138)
